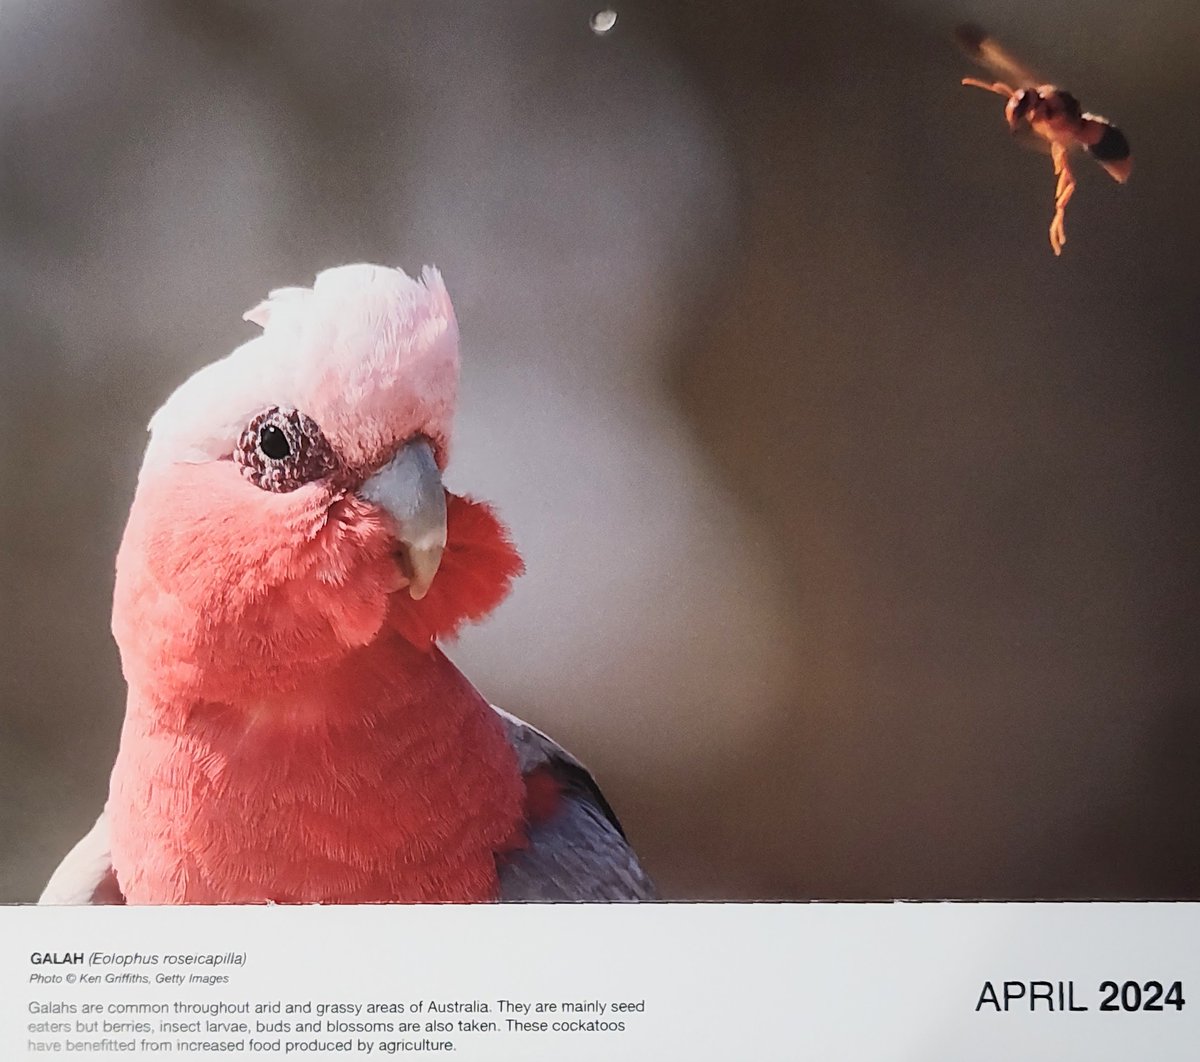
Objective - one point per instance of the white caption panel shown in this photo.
(716, 982)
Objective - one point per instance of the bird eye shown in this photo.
(282, 449)
(273, 443)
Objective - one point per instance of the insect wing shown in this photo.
(988, 53)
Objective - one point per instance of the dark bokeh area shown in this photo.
(860, 529)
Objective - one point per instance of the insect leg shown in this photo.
(1062, 196)
(998, 87)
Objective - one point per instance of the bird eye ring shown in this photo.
(282, 449)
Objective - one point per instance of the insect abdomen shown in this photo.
(1108, 146)
(1112, 145)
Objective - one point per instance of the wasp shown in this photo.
(1049, 118)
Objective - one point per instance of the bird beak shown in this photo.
(409, 489)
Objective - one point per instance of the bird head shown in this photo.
(290, 505)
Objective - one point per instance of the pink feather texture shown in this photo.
(293, 733)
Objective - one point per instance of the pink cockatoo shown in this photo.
(293, 733)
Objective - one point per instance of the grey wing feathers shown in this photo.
(579, 853)
(86, 875)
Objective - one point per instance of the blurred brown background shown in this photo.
(860, 530)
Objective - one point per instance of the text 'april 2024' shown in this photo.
(1066, 997)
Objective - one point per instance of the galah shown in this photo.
(293, 732)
